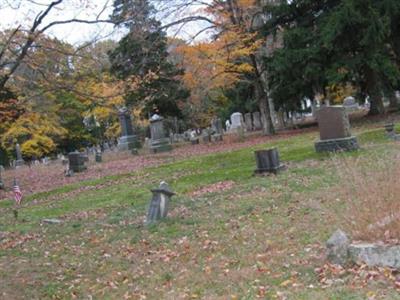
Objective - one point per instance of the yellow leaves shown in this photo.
(337, 93)
(35, 132)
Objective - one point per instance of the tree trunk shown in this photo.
(262, 98)
(375, 96)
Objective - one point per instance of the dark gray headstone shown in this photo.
(158, 208)
(257, 120)
(268, 161)
(334, 129)
(217, 130)
(159, 142)
(337, 248)
(19, 161)
(128, 139)
(98, 157)
(76, 162)
(248, 122)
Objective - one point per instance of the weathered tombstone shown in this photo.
(236, 121)
(193, 138)
(337, 248)
(334, 129)
(390, 132)
(216, 129)
(19, 161)
(248, 122)
(159, 142)
(350, 104)
(98, 157)
(268, 161)
(206, 136)
(128, 139)
(227, 125)
(76, 162)
(257, 120)
(158, 208)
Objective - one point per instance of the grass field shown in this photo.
(229, 234)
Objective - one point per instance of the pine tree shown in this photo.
(143, 54)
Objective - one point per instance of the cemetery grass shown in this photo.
(229, 235)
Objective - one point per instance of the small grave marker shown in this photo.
(268, 161)
(158, 208)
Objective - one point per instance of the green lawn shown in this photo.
(261, 238)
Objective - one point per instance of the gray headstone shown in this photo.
(76, 162)
(333, 122)
(268, 161)
(236, 121)
(19, 161)
(334, 129)
(159, 141)
(257, 120)
(128, 139)
(337, 248)
(98, 157)
(158, 207)
(248, 121)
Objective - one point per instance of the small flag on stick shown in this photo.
(17, 192)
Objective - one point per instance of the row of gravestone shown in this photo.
(250, 121)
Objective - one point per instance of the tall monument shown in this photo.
(128, 139)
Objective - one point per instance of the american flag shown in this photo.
(17, 192)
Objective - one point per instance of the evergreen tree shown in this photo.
(331, 42)
(142, 53)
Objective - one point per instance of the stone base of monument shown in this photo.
(128, 142)
(268, 162)
(336, 145)
(160, 145)
(19, 163)
(341, 251)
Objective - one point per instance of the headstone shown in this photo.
(391, 132)
(158, 208)
(98, 157)
(337, 248)
(248, 122)
(216, 129)
(227, 125)
(236, 121)
(76, 162)
(257, 120)
(128, 139)
(206, 136)
(268, 161)
(106, 146)
(19, 161)
(334, 129)
(194, 139)
(159, 142)
(350, 104)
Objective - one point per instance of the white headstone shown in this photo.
(236, 120)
